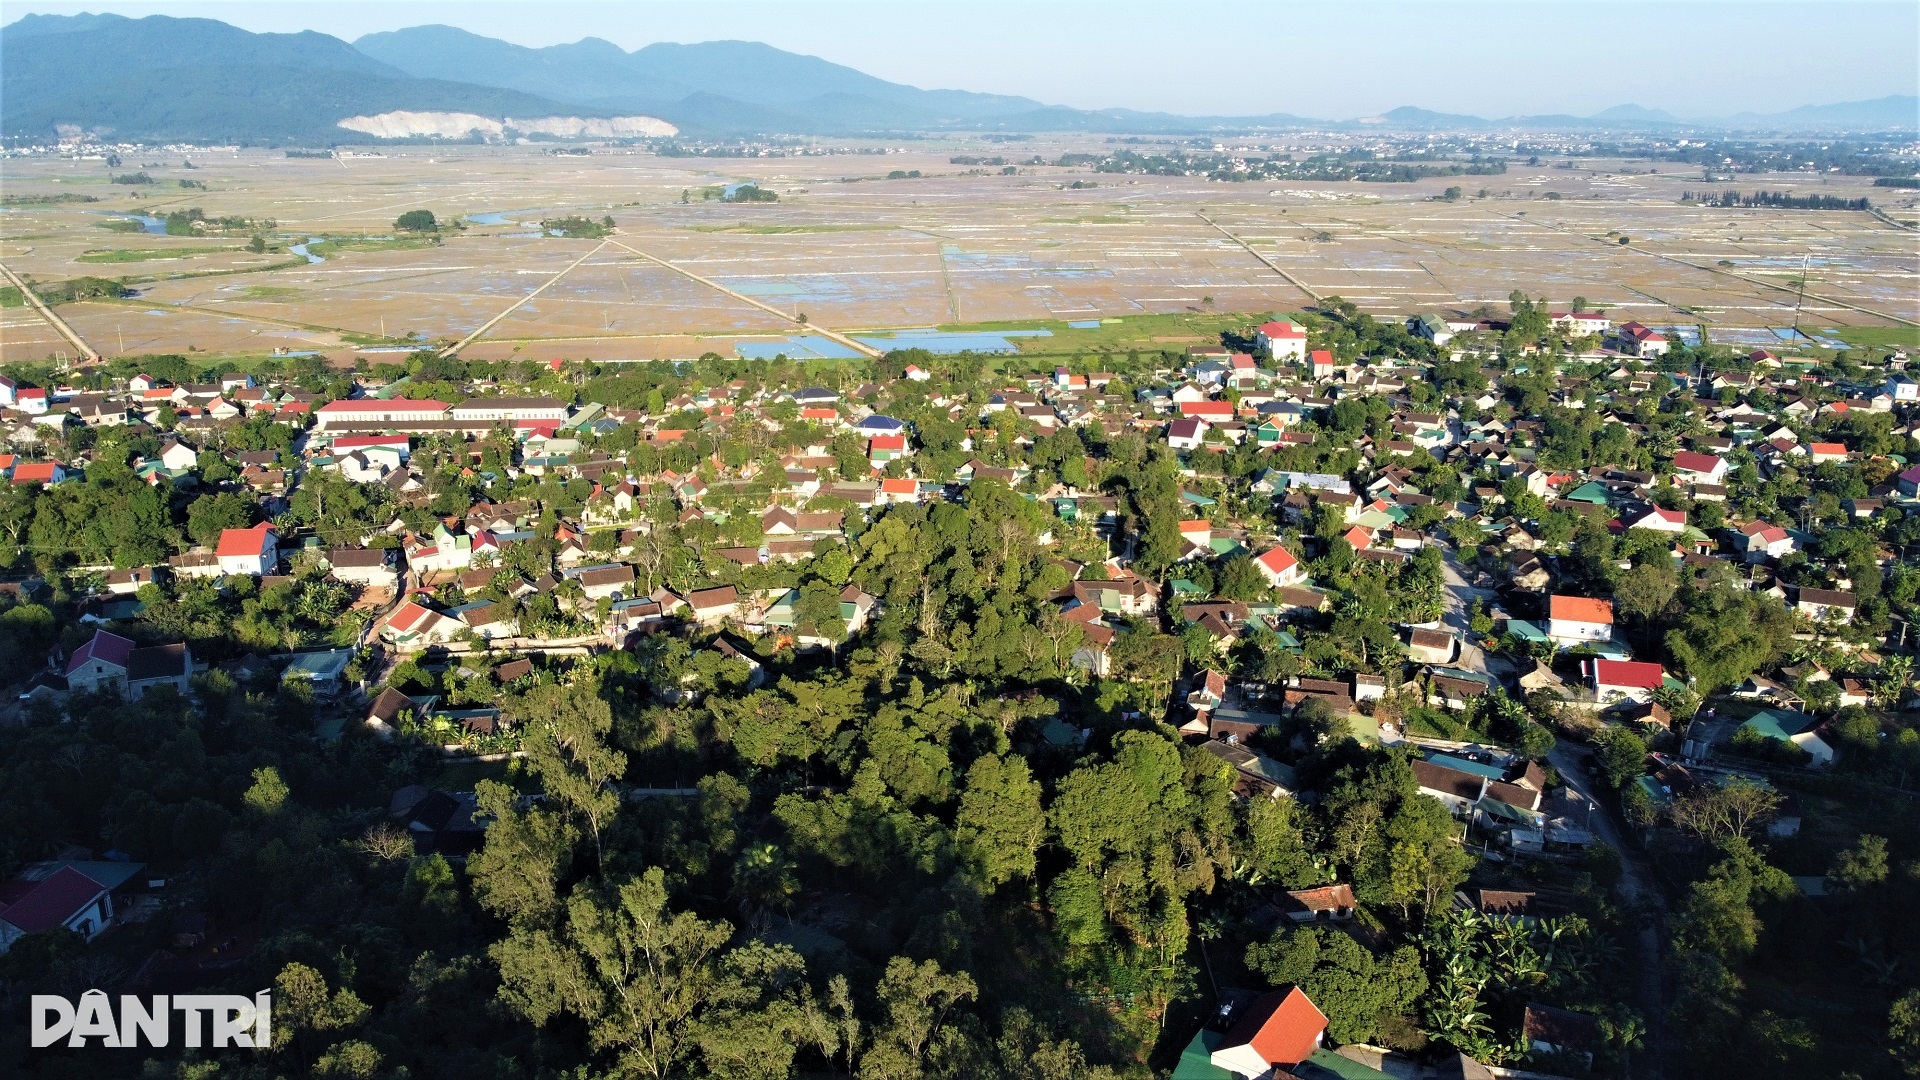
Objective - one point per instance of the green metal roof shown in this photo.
(1778, 724)
(1525, 630)
(1335, 1065)
(1196, 1061)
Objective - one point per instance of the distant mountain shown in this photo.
(714, 86)
(1408, 118)
(1895, 112)
(161, 79)
(1635, 112)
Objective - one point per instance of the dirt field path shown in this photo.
(455, 348)
(862, 349)
(86, 351)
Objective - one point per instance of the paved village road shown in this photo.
(1640, 896)
(1458, 601)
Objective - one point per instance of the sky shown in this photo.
(1325, 59)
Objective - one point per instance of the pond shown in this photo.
(947, 342)
(153, 226)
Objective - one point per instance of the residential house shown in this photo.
(1431, 327)
(1277, 1030)
(1431, 646)
(1328, 903)
(45, 473)
(414, 625)
(489, 619)
(1283, 340)
(1824, 604)
(1615, 681)
(109, 663)
(1657, 520)
(1761, 541)
(1790, 727)
(1580, 322)
(711, 607)
(1280, 567)
(1547, 1030)
(70, 894)
(898, 490)
(1188, 433)
(1637, 340)
(251, 552)
(1694, 467)
(1576, 620)
(364, 566)
(613, 580)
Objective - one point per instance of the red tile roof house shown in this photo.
(1697, 468)
(1279, 567)
(1572, 620)
(47, 896)
(1615, 681)
(1221, 410)
(1637, 340)
(1762, 541)
(1277, 1030)
(413, 625)
(903, 490)
(39, 472)
(113, 664)
(1332, 903)
(1282, 340)
(254, 551)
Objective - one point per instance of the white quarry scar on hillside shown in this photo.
(458, 125)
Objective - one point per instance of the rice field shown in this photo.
(855, 252)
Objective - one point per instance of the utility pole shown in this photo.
(1802, 296)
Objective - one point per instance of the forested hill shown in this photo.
(162, 79)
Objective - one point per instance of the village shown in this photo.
(1587, 589)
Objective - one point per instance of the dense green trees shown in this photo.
(1727, 634)
(1354, 988)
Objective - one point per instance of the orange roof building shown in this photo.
(1278, 1029)
(1572, 620)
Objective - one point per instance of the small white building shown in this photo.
(1283, 340)
(1576, 620)
(253, 552)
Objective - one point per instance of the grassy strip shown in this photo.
(779, 230)
(1879, 337)
(1119, 334)
(130, 255)
(332, 246)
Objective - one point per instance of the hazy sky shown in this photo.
(1324, 59)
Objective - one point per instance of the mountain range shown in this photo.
(162, 79)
